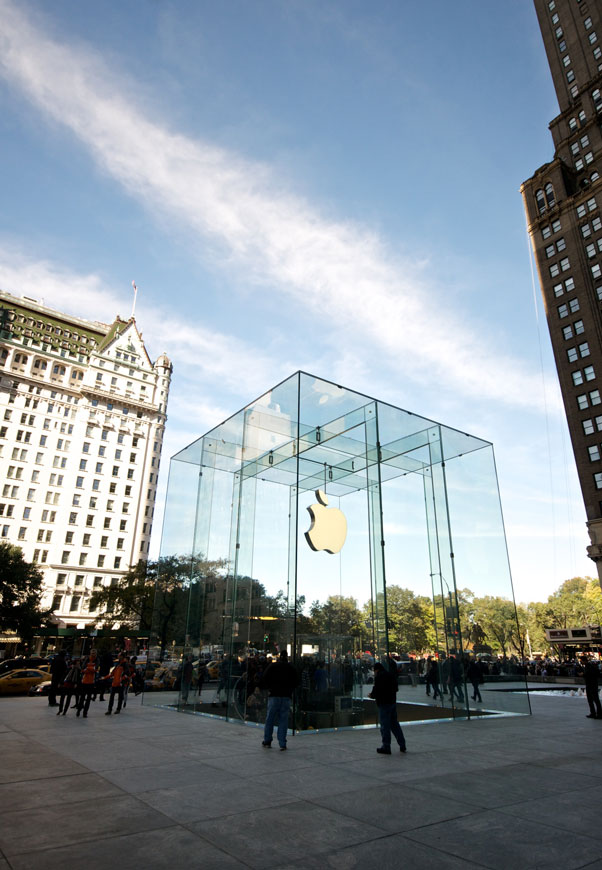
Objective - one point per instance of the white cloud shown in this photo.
(337, 271)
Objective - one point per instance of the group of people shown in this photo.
(281, 679)
(449, 674)
(85, 679)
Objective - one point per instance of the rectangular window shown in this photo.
(65, 557)
(584, 349)
(582, 402)
(594, 453)
(554, 270)
(598, 480)
(589, 373)
(574, 305)
(588, 427)
(594, 397)
(117, 562)
(572, 354)
(563, 311)
(567, 332)
(577, 378)
(100, 562)
(79, 482)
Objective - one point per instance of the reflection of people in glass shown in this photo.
(281, 679)
(321, 678)
(475, 676)
(187, 674)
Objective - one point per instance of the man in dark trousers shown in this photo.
(384, 693)
(281, 679)
(591, 675)
(58, 669)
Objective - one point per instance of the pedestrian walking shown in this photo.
(280, 679)
(433, 679)
(475, 676)
(87, 685)
(456, 678)
(70, 687)
(58, 669)
(187, 675)
(119, 679)
(591, 674)
(384, 692)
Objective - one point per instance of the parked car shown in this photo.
(19, 682)
(22, 662)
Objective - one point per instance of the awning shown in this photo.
(9, 638)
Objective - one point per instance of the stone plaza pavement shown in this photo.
(154, 789)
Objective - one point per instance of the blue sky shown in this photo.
(326, 186)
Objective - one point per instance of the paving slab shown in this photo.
(209, 799)
(63, 790)
(262, 839)
(394, 808)
(152, 850)
(56, 825)
(496, 787)
(568, 812)
(154, 776)
(383, 854)
(499, 841)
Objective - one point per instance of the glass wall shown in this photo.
(346, 531)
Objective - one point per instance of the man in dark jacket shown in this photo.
(281, 679)
(58, 669)
(384, 693)
(591, 675)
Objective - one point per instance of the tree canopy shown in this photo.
(21, 590)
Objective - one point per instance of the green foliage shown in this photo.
(410, 621)
(21, 589)
(338, 615)
(157, 596)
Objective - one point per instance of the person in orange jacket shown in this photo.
(86, 689)
(120, 677)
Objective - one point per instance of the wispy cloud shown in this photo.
(336, 270)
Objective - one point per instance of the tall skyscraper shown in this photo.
(82, 416)
(563, 202)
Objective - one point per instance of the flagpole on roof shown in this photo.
(134, 302)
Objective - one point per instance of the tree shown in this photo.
(21, 590)
(338, 615)
(498, 618)
(410, 620)
(161, 597)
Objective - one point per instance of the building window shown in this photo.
(577, 378)
(588, 427)
(594, 453)
(598, 480)
(563, 311)
(74, 607)
(594, 397)
(572, 354)
(584, 349)
(100, 562)
(65, 557)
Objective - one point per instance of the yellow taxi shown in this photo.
(20, 682)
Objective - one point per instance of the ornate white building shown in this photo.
(82, 417)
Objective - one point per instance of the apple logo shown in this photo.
(328, 528)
